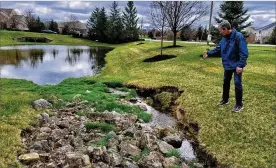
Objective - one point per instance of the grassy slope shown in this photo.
(17, 95)
(242, 140)
(6, 38)
(246, 139)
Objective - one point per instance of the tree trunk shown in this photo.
(162, 38)
(174, 38)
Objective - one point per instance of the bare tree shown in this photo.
(180, 14)
(72, 22)
(29, 19)
(158, 18)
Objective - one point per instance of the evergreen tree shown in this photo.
(205, 34)
(234, 12)
(272, 38)
(130, 21)
(97, 24)
(53, 26)
(38, 25)
(199, 33)
(115, 25)
(65, 29)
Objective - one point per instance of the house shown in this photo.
(75, 26)
(263, 33)
(10, 19)
(250, 35)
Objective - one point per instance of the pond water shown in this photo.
(50, 64)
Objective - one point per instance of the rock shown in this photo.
(86, 161)
(101, 165)
(198, 165)
(63, 124)
(149, 140)
(153, 160)
(74, 160)
(62, 142)
(45, 129)
(42, 145)
(174, 140)
(51, 165)
(127, 149)
(129, 164)
(130, 131)
(65, 149)
(30, 157)
(43, 136)
(115, 159)
(171, 161)
(165, 147)
(45, 116)
(143, 107)
(41, 104)
(58, 134)
(97, 153)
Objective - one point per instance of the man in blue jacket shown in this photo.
(234, 53)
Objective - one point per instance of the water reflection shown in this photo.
(50, 64)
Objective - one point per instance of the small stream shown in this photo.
(161, 119)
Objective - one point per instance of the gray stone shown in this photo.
(130, 131)
(65, 149)
(165, 147)
(97, 153)
(62, 142)
(127, 149)
(149, 140)
(51, 165)
(154, 159)
(129, 164)
(43, 136)
(74, 160)
(45, 116)
(42, 145)
(41, 104)
(171, 161)
(115, 159)
(30, 157)
(45, 129)
(198, 165)
(143, 107)
(86, 161)
(174, 140)
(59, 134)
(63, 124)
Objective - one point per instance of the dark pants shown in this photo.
(238, 86)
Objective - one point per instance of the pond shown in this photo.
(50, 64)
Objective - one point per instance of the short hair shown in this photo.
(225, 24)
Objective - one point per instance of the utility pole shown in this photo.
(209, 31)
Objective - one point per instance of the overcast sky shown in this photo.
(262, 13)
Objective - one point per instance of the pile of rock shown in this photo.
(62, 140)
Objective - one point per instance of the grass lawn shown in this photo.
(6, 38)
(246, 139)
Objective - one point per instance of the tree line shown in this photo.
(116, 27)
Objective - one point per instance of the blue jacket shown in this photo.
(233, 51)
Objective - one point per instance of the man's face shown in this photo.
(223, 31)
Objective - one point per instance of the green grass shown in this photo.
(6, 39)
(173, 152)
(105, 127)
(245, 139)
(145, 152)
(103, 142)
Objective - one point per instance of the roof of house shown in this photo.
(268, 26)
(7, 11)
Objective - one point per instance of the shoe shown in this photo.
(237, 108)
(222, 102)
